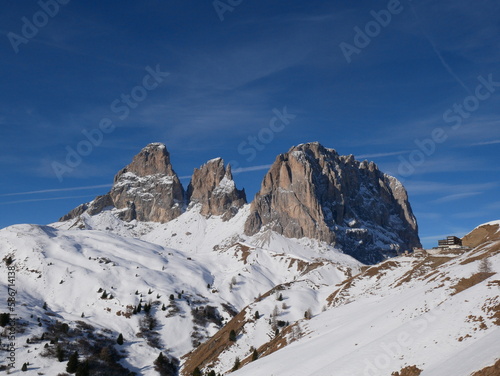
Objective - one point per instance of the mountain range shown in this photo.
(320, 274)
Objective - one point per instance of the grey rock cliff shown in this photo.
(212, 186)
(311, 191)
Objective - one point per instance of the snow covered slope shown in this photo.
(98, 278)
(440, 313)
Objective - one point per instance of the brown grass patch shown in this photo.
(495, 249)
(492, 309)
(209, 351)
(493, 370)
(422, 268)
(375, 270)
(481, 235)
(466, 283)
(408, 371)
(245, 252)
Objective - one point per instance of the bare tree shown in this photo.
(485, 266)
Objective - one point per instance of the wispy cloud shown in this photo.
(456, 197)
(381, 155)
(429, 187)
(239, 170)
(252, 168)
(44, 199)
(486, 143)
(56, 190)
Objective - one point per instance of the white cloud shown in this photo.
(456, 197)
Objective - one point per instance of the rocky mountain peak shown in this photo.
(213, 187)
(151, 160)
(312, 191)
(148, 189)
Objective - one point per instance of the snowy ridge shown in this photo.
(203, 260)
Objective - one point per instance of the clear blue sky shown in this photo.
(375, 96)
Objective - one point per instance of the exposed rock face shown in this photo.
(213, 187)
(94, 207)
(313, 192)
(148, 188)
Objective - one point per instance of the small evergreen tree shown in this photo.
(236, 364)
(59, 353)
(280, 297)
(4, 319)
(104, 295)
(172, 297)
(197, 372)
(44, 306)
(24, 368)
(119, 340)
(232, 335)
(163, 307)
(9, 261)
(72, 365)
(257, 315)
(255, 355)
(83, 369)
(211, 373)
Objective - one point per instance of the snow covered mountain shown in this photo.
(310, 191)
(153, 279)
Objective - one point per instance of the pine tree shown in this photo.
(211, 373)
(24, 367)
(255, 355)
(104, 295)
(44, 306)
(72, 365)
(236, 364)
(280, 297)
(232, 335)
(59, 353)
(197, 372)
(119, 340)
(4, 319)
(83, 369)
(172, 297)
(257, 315)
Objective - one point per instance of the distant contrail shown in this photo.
(42, 199)
(236, 170)
(56, 190)
(443, 62)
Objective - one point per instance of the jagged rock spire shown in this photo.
(212, 187)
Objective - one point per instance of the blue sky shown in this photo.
(418, 95)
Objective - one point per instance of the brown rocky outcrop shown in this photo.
(148, 189)
(311, 191)
(212, 186)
